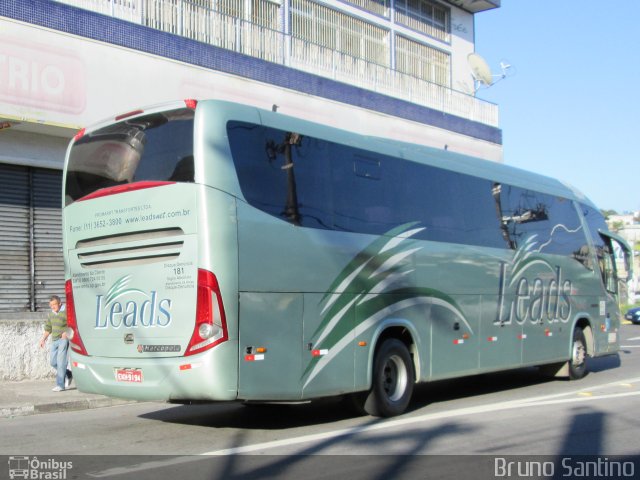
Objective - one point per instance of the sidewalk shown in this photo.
(35, 396)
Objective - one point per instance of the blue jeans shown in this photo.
(59, 359)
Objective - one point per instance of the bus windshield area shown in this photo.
(154, 147)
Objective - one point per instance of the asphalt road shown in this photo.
(512, 413)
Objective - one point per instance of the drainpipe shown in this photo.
(32, 251)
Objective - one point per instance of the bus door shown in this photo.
(615, 267)
(614, 274)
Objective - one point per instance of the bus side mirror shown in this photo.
(621, 245)
(628, 263)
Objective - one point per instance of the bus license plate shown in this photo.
(131, 375)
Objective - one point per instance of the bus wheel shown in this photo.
(578, 361)
(393, 379)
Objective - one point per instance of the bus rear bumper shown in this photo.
(155, 379)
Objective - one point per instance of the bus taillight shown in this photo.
(211, 325)
(79, 135)
(75, 342)
(128, 114)
(191, 103)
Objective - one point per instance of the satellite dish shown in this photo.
(480, 70)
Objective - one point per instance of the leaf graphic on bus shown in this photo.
(381, 261)
(119, 288)
(525, 250)
(558, 228)
(379, 308)
(339, 343)
(377, 283)
(528, 253)
(349, 277)
(526, 257)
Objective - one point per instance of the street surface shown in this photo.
(512, 413)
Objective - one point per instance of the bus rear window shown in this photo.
(155, 147)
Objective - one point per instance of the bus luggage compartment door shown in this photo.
(270, 346)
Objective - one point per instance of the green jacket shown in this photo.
(56, 324)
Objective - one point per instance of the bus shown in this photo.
(216, 251)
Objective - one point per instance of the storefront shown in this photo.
(31, 265)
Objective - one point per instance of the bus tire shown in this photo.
(577, 364)
(392, 380)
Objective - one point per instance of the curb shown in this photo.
(54, 407)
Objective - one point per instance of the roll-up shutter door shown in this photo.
(47, 229)
(15, 276)
(31, 263)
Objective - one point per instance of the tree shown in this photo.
(617, 226)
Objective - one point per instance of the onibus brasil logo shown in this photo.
(35, 468)
(137, 309)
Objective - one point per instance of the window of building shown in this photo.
(425, 16)
(334, 30)
(379, 7)
(423, 61)
(265, 13)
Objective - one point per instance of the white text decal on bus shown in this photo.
(535, 299)
(543, 296)
(148, 311)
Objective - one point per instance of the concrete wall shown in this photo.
(22, 358)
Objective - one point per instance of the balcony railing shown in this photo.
(184, 18)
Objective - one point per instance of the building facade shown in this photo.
(391, 68)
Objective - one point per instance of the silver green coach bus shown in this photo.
(215, 251)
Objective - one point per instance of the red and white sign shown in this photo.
(41, 76)
(129, 375)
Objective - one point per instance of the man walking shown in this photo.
(56, 326)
